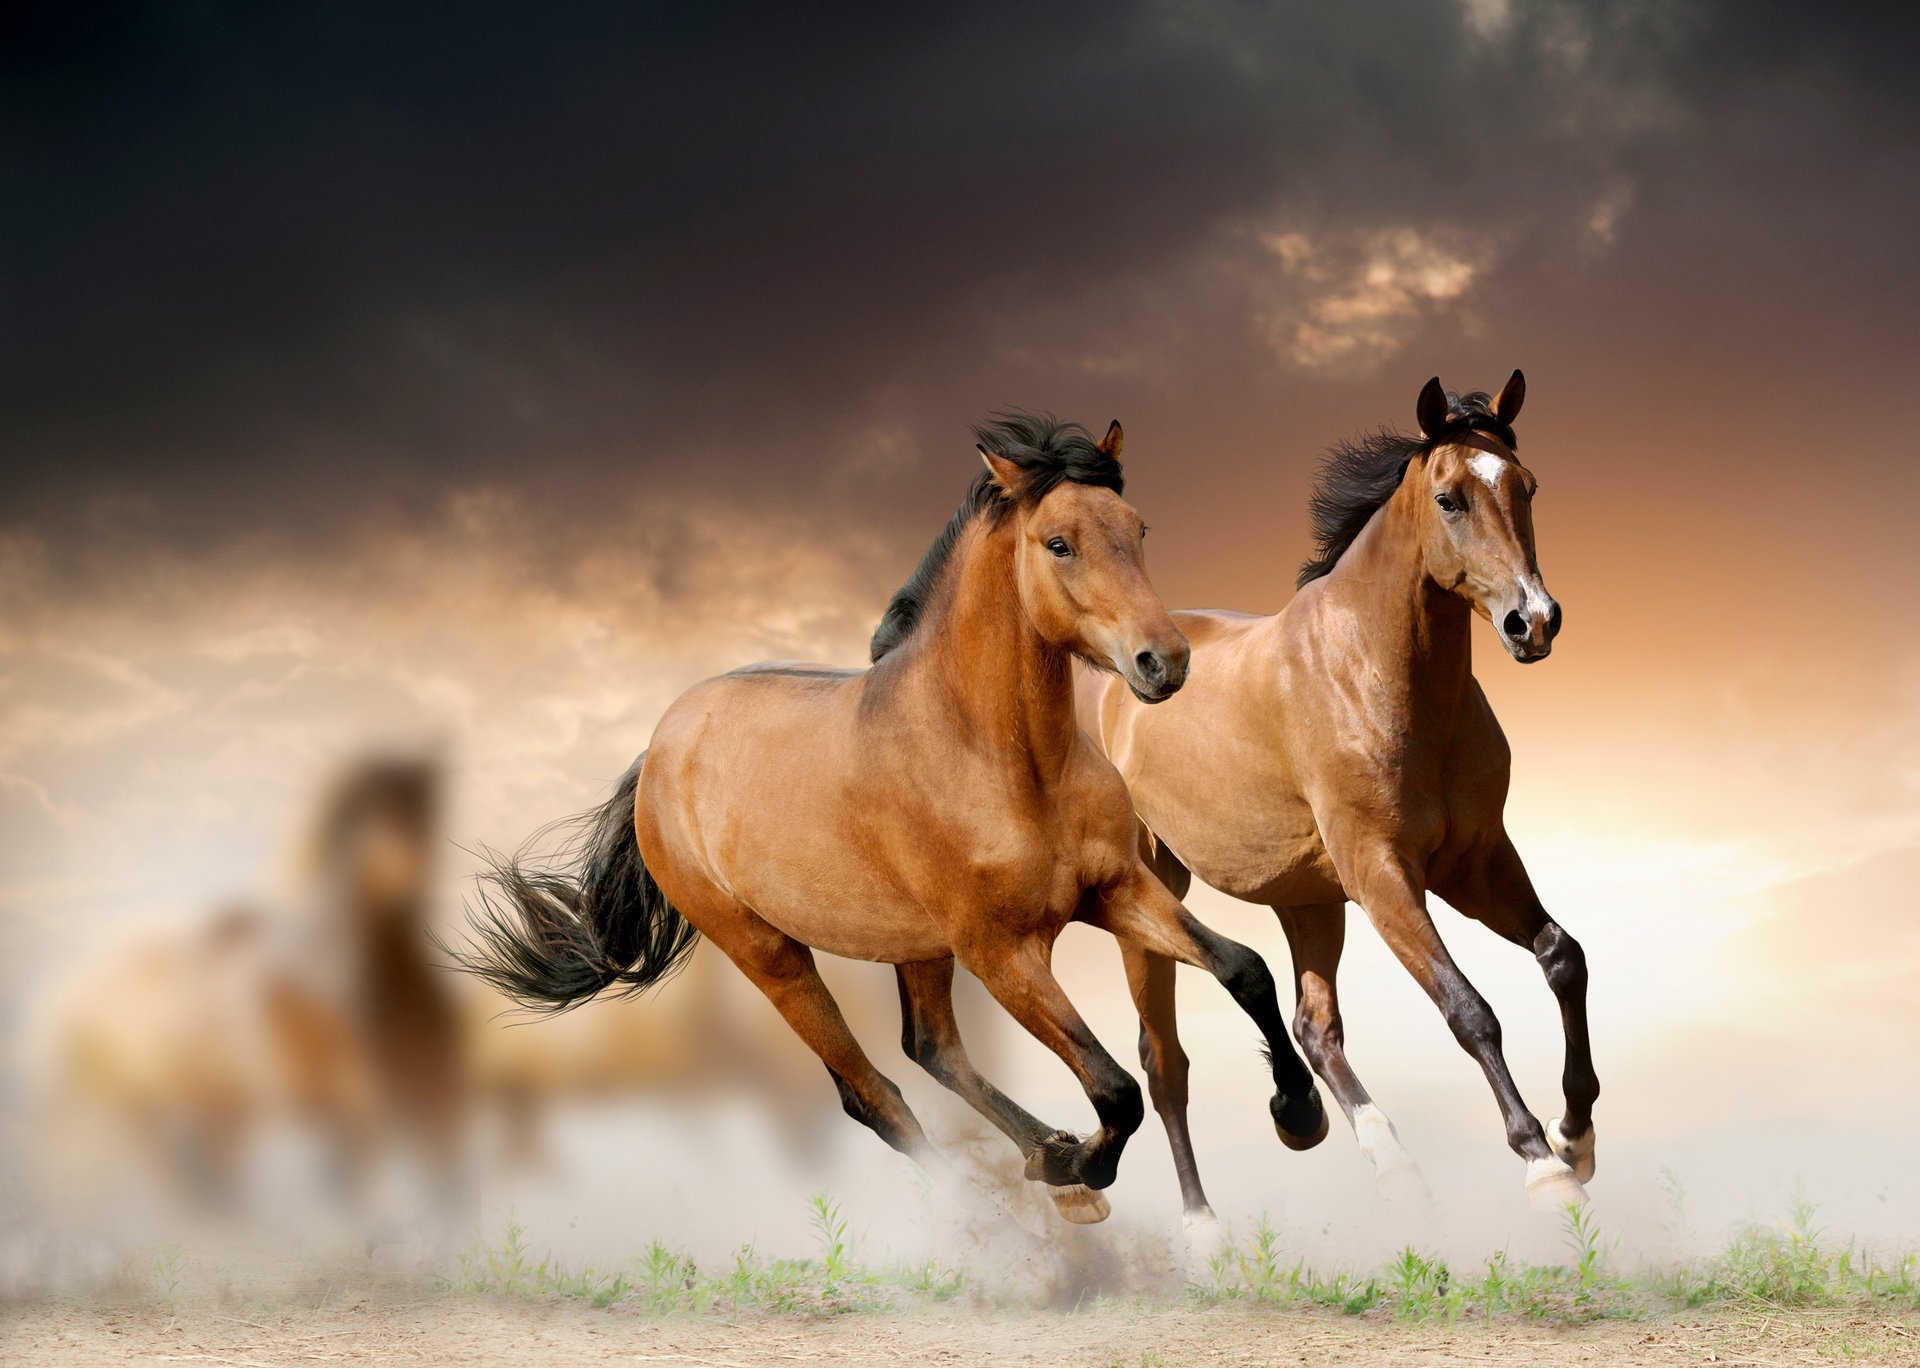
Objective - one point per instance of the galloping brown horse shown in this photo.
(942, 805)
(1341, 749)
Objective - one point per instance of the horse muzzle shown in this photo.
(1156, 675)
(1527, 629)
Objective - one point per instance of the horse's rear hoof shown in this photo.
(1403, 1184)
(1551, 1185)
(1575, 1154)
(1206, 1242)
(1080, 1204)
(1396, 1174)
(1300, 1123)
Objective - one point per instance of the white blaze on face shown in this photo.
(1486, 467)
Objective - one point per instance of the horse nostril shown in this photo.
(1553, 623)
(1152, 668)
(1514, 625)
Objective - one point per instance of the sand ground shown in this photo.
(456, 1329)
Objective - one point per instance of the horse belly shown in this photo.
(1268, 853)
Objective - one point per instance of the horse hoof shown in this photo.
(1577, 1153)
(1551, 1185)
(1206, 1242)
(1300, 1125)
(1405, 1183)
(1055, 1160)
(1396, 1174)
(1080, 1204)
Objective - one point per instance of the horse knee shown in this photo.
(1117, 1102)
(1562, 960)
(1473, 1023)
(1166, 1069)
(1319, 1031)
(1245, 975)
(876, 1118)
(923, 1048)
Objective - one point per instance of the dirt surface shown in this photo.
(453, 1329)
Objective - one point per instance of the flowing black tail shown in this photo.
(553, 933)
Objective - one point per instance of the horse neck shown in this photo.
(1415, 638)
(1003, 678)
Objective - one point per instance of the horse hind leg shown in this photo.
(1151, 980)
(783, 969)
(930, 1036)
(1316, 935)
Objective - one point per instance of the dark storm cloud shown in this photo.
(262, 266)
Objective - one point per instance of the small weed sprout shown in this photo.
(170, 1272)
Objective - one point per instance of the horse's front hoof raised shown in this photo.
(1080, 1204)
(1056, 1160)
(1576, 1154)
(1551, 1185)
(1301, 1122)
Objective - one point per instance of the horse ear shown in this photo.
(1431, 409)
(1110, 444)
(1002, 472)
(1506, 407)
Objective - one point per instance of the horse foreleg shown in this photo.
(1020, 979)
(1142, 912)
(930, 1036)
(1316, 935)
(1396, 904)
(1502, 899)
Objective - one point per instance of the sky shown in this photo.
(367, 377)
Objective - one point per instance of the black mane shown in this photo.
(1358, 476)
(1049, 453)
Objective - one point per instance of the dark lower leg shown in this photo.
(930, 1035)
(1395, 902)
(1021, 981)
(1477, 1029)
(1148, 916)
(1151, 978)
(1505, 902)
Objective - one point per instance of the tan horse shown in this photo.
(1341, 749)
(943, 805)
(331, 1016)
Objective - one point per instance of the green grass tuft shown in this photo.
(1788, 1265)
(664, 1281)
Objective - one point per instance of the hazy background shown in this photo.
(367, 378)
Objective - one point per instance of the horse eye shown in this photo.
(1059, 547)
(1446, 502)
(1144, 529)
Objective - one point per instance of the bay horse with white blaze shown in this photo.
(1341, 749)
(941, 805)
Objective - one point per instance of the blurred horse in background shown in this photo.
(712, 1041)
(329, 1014)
